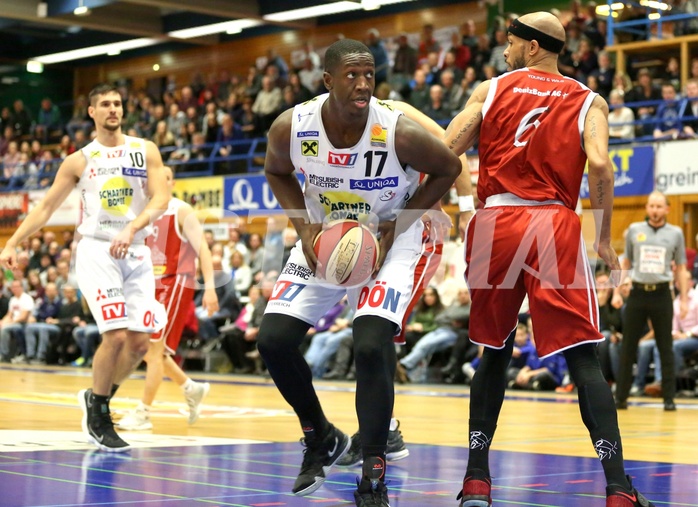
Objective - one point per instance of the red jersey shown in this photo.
(531, 137)
(171, 252)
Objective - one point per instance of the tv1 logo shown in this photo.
(341, 159)
(112, 311)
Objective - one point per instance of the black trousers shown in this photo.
(658, 307)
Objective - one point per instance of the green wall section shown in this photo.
(57, 84)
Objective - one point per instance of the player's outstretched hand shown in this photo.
(307, 233)
(386, 236)
(8, 258)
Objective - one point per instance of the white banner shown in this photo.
(676, 167)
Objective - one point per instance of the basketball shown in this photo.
(347, 253)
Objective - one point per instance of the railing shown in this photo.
(631, 26)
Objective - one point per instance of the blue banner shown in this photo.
(633, 168)
(243, 195)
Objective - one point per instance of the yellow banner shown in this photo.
(202, 193)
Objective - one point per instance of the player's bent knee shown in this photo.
(279, 334)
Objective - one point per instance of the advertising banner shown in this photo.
(633, 168)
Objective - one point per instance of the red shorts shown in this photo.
(512, 251)
(176, 295)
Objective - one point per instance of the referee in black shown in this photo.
(650, 248)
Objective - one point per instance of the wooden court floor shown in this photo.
(244, 450)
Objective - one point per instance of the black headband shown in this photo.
(529, 33)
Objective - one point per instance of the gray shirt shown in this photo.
(651, 251)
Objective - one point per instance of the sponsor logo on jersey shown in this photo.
(138, 173)
(294, 269)
(309, 148)
(284, 292)
(388, 195)
(135, 144)
(308, 133)
(116, 153)
(375, 184)
(301, 116)
(324, 181)
(379, 136)
(95, 154)
(116, 196)
(113, 311)
(641, 236)
(341, 159)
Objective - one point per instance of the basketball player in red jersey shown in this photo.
(536, 130)
(176, 242)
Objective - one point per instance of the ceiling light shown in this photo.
(156, 67)
(654, 16)
(77, 54)
(370, 5)
(653, 4)
(81, 9)
(114, 52)
(35, 67)
(326, 9)
(228, 26)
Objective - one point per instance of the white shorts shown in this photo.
(119, 292)
(298, 293)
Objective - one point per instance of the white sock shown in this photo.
(393, 424)
(188, 385)
(143, 407)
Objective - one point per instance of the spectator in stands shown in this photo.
(175, 119)
(234, 244)
(266, 105)
(32, 283)
(668, 119)
(248, 121)
(690, 113)
(584, 60)
(449, 63)
(451, 321)
(645, 91)
(451, 92)
(427, 43)
(81, 140)
(228, 303)
(461, 52)
(481, 55)
(300, 92)
(187, 98)
(253, 82)
(497, 55)
(310, 76)
(523, 349)
(80, 120)
(255, 254)
(228, 134)
(329, 332)
(48, 121)
(672, 72)
(12, 325)
(163, 138)
(423, 318)
(26, 173)
(419, 90)
(66, 147)
(574, 37)
(241, 274)
(620, 118)
(604, 74)
(5, 119)
(467, 86)
(8, 135)
(211, 127)
(85, 332)
(437, 109)
(405, 63)
(275, 60)
(11, 160)
(611, 326)
(380, 55)
(20, 119)
(42, 325)
(468, 32)
(686, 26)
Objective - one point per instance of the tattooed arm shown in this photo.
(600, 179)
(464, 129)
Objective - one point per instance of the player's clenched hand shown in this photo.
(386, 236)
(210, 301)
(307, 233)
(121, 242)
(8, 258)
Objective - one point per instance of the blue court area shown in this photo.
(261, 475)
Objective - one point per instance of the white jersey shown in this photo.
(113, 189)
(364, 181)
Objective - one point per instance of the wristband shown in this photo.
(466, 203)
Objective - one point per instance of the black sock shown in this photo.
(114, 388)
(600, 417)
(313, 433)
(481, 435)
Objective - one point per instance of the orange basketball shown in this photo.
(347, 253)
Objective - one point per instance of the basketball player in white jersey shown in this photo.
(361, 160)
(176, 243)
(115, 174)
